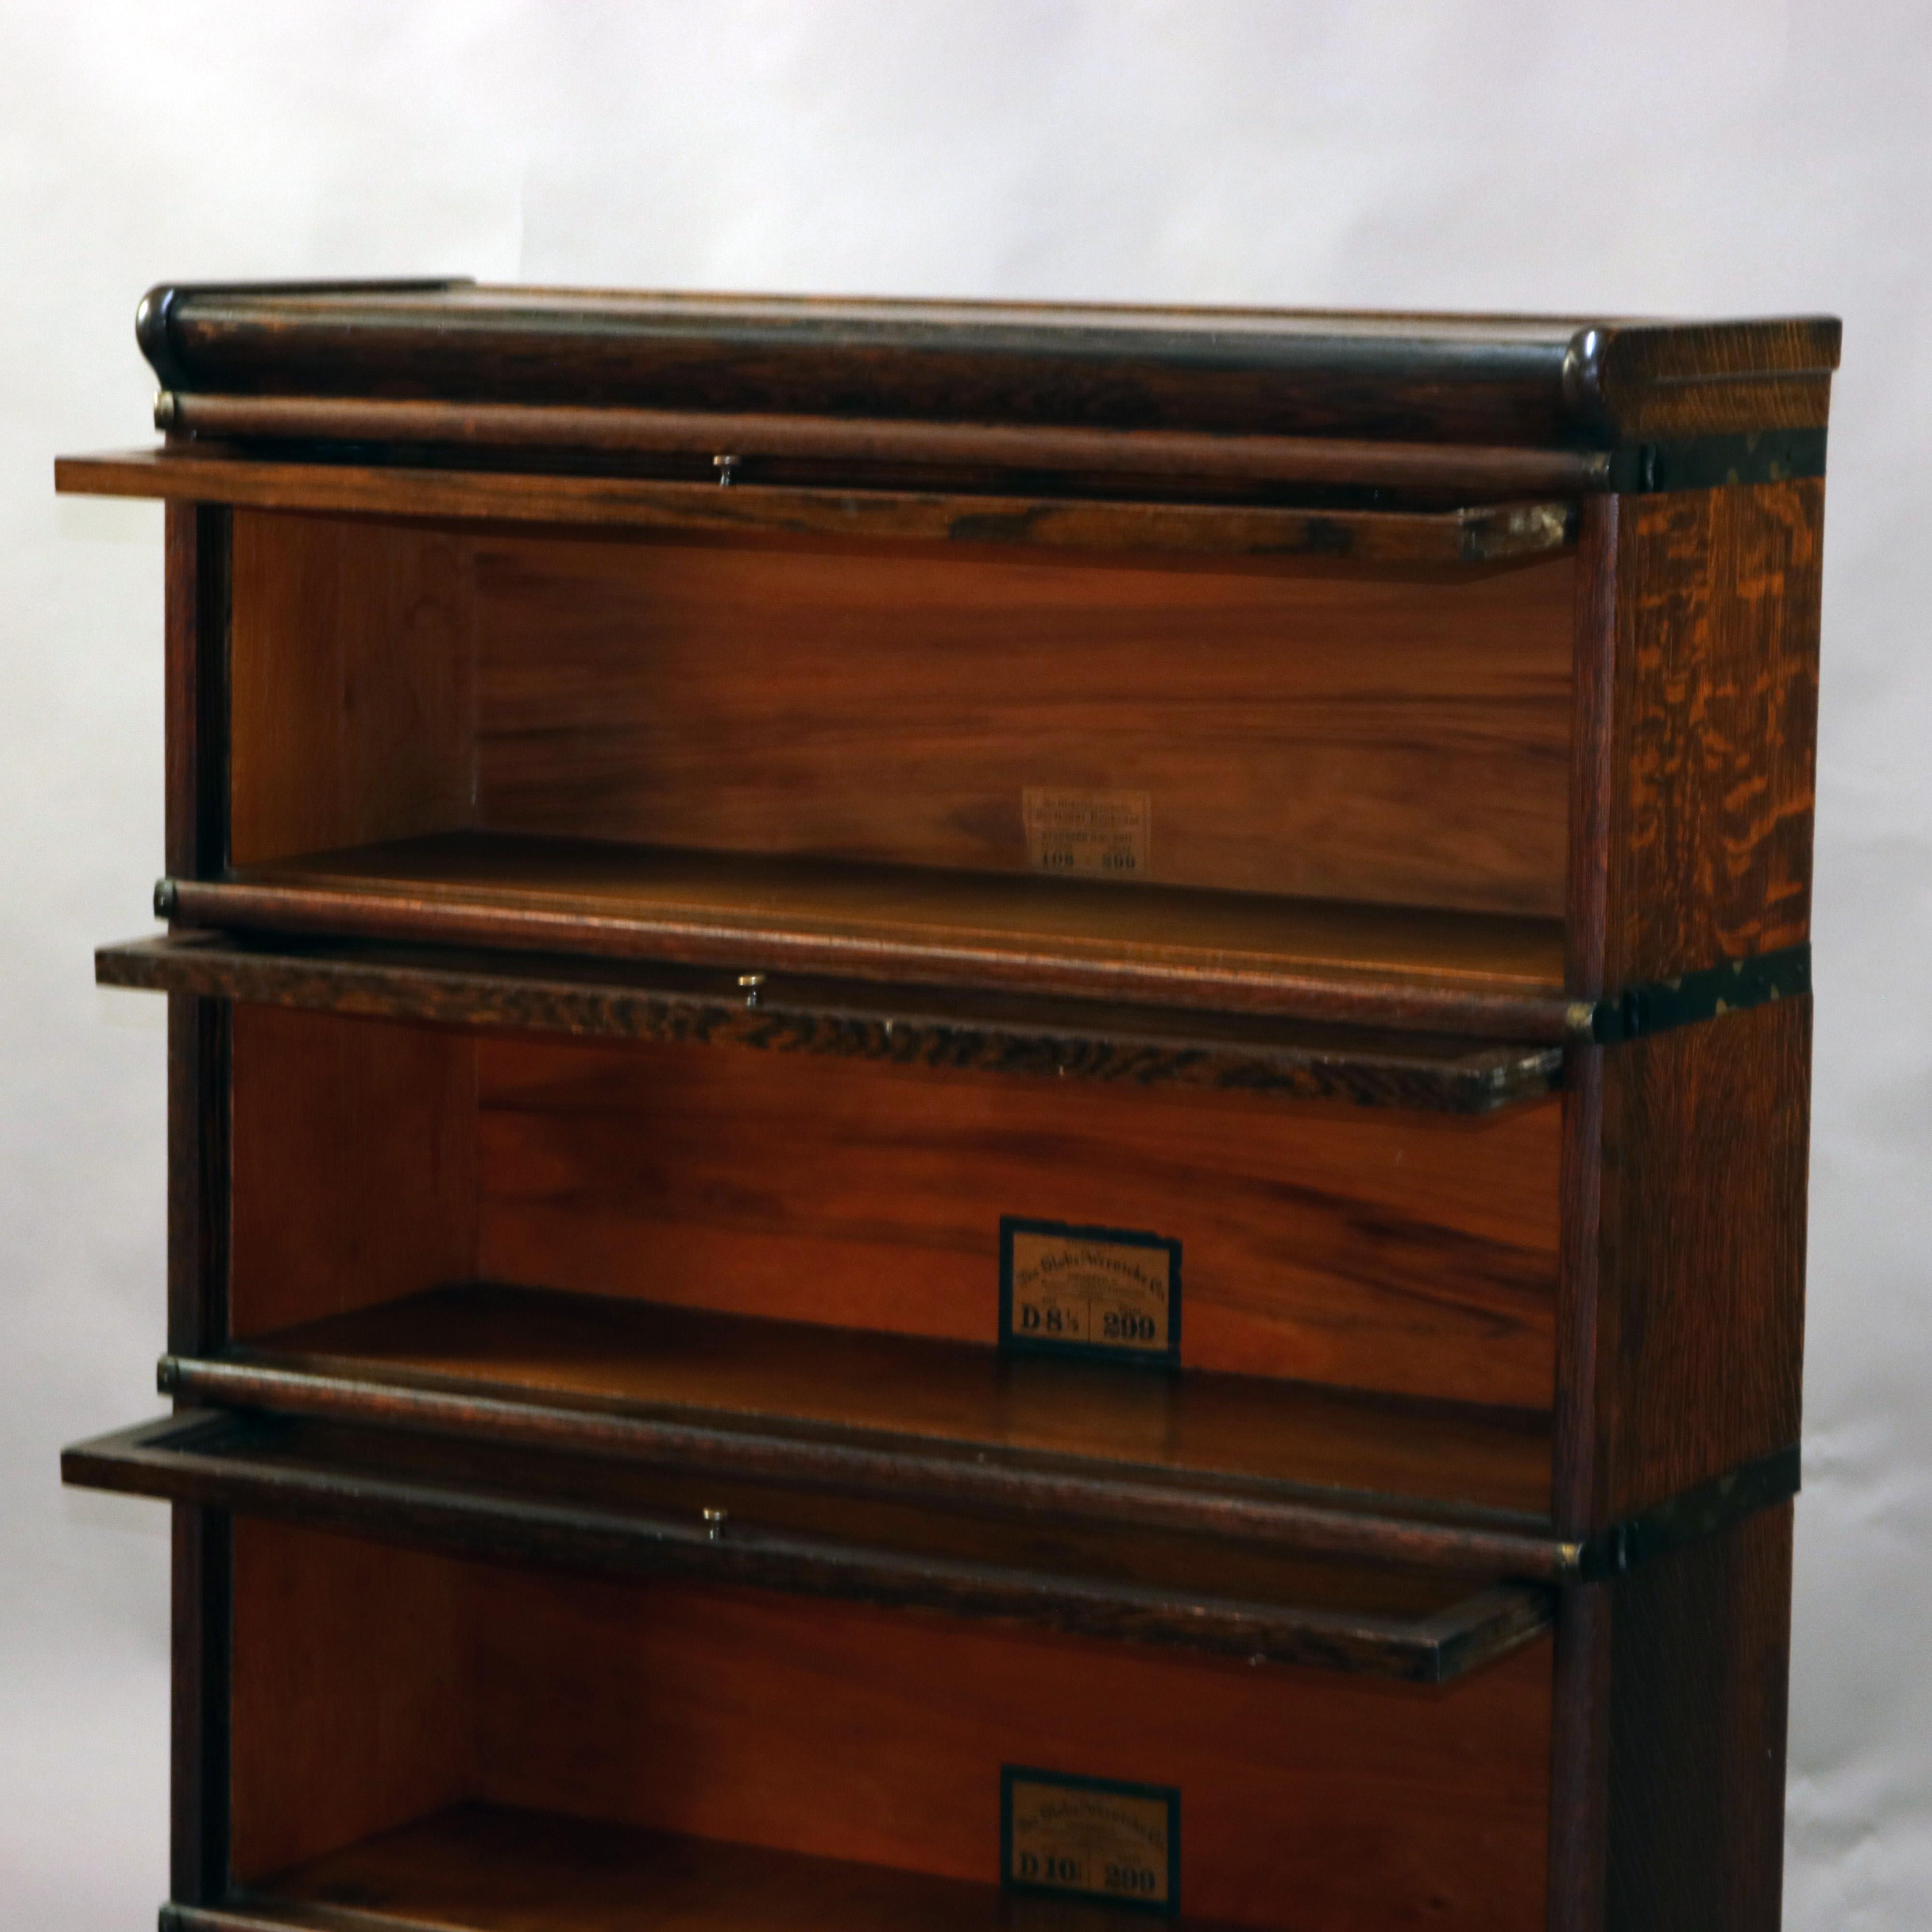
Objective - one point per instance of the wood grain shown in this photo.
(198, 546)
(1562, 380)
(834, 1732)
(351, 676)
(679, 508)
(1174, 464)
(354, 1164)
(1078, 1040)
(1409, 1253)
(581, 1513)
(1717, 599)
(889, 1414)
(352, 1689)
(1160, 945)
(1317, 730)
(1706, 1142)
(1700, 1651)
(494, 1868)
(200, 1171)
(1443, 1792)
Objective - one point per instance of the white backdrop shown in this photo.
(1694, 157)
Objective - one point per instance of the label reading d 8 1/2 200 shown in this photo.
(1089, 1837)
(1108, 1292)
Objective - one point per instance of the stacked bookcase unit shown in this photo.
(978, 1114)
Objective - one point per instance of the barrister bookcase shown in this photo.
(980, 1117)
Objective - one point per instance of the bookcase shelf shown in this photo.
(1198, 1593)
(1163, 946)
(1294, 1466)
(922, 1051)
(478, 1868)
(959, 1028)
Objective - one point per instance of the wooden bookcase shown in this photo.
(970, 1105)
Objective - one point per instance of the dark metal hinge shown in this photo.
(1734, 987)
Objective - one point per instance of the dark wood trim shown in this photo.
(1592, 749)
(1290, 992)
(1555, 381)
(198, 1860)
(197, 544)
(1578, 1449)
(1496, 977)
(909, 1026)
(1695, 1720)
(1350, 1525)
(199, 1035)
(1178, 462)
(1494, 534)
(1579, 1759)
(154, 313)
(296, 1472)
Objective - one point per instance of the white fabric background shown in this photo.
(1700, 158)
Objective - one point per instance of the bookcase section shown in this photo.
(922, 1054)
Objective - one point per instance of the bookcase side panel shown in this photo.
(354, 1707)
(352, 676)
(354, 1163)
(1699, 1669)
(1714, 742)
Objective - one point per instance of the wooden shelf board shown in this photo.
(1497, 977)
(959, 1029)
(1489, 534)
(512, 1501)
(1291, 1465)
(480, 1867)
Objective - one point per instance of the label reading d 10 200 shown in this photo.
(1106, 1291)
(1089, 1837)
(1090, 834)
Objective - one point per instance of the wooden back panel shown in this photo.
(1308, 1798)
(1411, 1253)
(1404, 1252)
(1311, 727)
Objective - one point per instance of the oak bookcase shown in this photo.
(979, 1116)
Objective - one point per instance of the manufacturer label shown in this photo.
(1092, 835)
(1090, 1837)
(1089, 1291)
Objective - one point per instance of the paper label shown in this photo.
(1110, 1292)
(1090, 1837)
(1092, 834)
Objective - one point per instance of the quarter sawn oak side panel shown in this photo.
(1700, 1651)
(1718, 594)
(1706, 1145)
